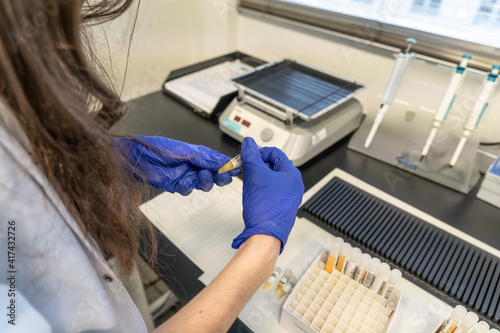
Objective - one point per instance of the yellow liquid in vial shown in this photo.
(227, 167)
(278, 288)
(267, 285)
(452, 327)
(330, 263)
(362, 276)
(340, 265)
(281, 294)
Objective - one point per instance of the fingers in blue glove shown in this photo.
(206, 180)
(275, 158)
(223, 179)
(272, 192)
(184, 187)
(250, 152)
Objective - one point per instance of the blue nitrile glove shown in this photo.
(272, 192)
(176, 166)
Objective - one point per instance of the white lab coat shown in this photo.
(62, 282)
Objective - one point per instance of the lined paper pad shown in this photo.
(204, 88)
(200, 221)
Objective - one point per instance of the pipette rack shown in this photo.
(404, 130)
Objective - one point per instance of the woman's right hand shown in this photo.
(272, 192)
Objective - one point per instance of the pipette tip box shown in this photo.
(490, 187)
(324, 302)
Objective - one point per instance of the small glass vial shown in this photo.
(344, 252)
(274, 276)
(394, 277)
(333, 254)
(481, 327)
(289, 284)
(371, 272)
(286, 274)
(350, 268)
(383, 270)
(456, 316)
(467, 323)
(359, 273)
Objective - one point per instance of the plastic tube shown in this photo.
(456, 316)
(467, 323)
(290, 283)
(272, 278)
(481, 327)
(282, 281)
(371, 272)
(394, 278)
(359, 273)
(234, 163)
(378, 283)
(333, 254)
(393, 300)
(354, 255)
(344, 252)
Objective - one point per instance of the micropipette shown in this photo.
(446, 103)
(398, 71)
(234, 163)
(477, 112)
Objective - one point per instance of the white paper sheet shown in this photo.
(204, 88)
(200, 221)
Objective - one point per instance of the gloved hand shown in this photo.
(272, 192)
(175, 166)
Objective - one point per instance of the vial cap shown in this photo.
(354, 254)
(335, 249)
(458, 313)
(484, 326)
(494, 330)
(337, 243)
(395, 276)
(466, 56)
(373, 266)
(383, 269)
(469, 320)
(338, 240)
(365, 259)
(346, 247)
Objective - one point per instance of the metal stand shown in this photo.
(402, 134)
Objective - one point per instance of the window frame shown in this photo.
(370, 31)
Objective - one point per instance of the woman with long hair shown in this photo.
(69, 217)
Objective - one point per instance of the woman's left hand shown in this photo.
(175, 166)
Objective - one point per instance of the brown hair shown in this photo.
(66, 110)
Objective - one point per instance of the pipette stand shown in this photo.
(408, 122)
